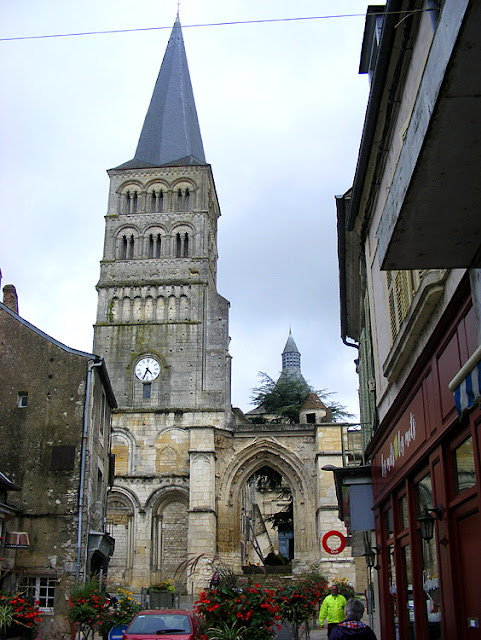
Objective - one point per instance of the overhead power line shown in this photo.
(207, 24)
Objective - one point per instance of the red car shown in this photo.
(163, 624)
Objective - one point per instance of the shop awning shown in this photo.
(17, 540)
(466, 384)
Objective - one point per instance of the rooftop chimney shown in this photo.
(10, 298)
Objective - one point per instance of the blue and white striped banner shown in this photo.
(466, 394)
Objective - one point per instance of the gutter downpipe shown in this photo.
(83, 458)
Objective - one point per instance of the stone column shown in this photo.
(201, 536)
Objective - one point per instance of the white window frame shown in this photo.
(41, 588)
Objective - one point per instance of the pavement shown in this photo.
(316, 633)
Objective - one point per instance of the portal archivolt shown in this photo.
(248, 461)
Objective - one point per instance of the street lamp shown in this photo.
(426, 521)
(370, 558)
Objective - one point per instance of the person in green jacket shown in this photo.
(332, 609)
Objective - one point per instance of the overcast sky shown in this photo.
(281, 108)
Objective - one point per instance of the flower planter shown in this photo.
(161, 599)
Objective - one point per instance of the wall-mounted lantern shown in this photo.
(426, 521)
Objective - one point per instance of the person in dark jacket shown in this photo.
(352, 628)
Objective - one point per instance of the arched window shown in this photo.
(131, 201)
(130, 247)
(120, 520)
(179, 200)
(154, 245)
(178, 245)
(126, 246)
(157, 201)
(182, 245)
(187, 200)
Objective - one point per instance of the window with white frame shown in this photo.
(39, 589)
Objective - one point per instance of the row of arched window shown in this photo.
(150, 309)
(155, 200)
(155, 245)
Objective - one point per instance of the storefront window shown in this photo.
(389, 529)
(424, 495)
(463, 464)
(403, 512)
(430, 575)
(408, 580)
(393, 599)
(431, 589)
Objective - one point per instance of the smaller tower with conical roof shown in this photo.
(291, 356)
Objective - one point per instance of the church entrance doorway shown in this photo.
(267, 522)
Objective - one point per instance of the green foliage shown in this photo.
(88, 605)
(251, 608)
(92, 608)
(124, 610)
(6, 614)
(16, 611)
(227, 631)
(165, 585)
(345, 588)
(285, 397)
(298, 600)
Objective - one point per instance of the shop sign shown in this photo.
(398, 446)
(405, 437)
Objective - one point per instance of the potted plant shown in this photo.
(161, 595)
(6, 617)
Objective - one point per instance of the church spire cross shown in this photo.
(171, 132)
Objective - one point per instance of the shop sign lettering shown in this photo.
(430, 583)
(399, 444)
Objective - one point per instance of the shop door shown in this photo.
(469, 567)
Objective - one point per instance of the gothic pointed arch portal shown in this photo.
(300, 478)
(267, 519)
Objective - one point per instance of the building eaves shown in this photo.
(374, 103)
(76, 352)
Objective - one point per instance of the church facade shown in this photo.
(183, 455)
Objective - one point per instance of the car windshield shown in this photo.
(157, 623)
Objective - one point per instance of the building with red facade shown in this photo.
(409, 240)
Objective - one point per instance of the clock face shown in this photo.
(147, 369)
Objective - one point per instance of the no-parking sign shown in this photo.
(117, 632)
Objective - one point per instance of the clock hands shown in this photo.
(147, 370)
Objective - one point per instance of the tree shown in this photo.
(286, 396)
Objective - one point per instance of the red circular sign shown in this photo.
(329, 549)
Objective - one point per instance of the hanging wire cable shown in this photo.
(207, 24)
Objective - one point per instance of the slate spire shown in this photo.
(291, 356)
(171, 132)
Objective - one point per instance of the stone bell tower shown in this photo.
(162, 328)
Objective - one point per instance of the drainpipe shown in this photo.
(83, 462)
(349, 344)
